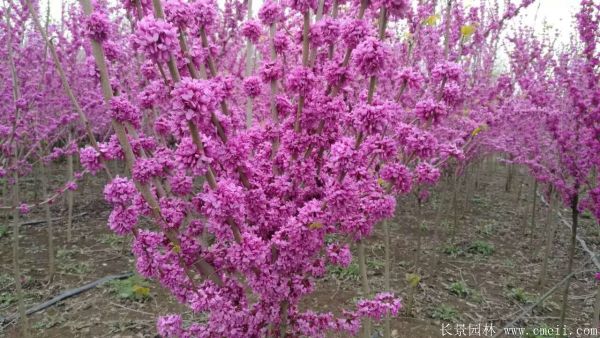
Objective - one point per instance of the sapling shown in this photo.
(551, 223)
(15, 192)
(49, 223)
(571, 256)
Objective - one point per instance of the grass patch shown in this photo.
(134, 288)
(452, 250)
(460, 289)
(112, 240)
(445, 313)
(482, 248)
(520, 295)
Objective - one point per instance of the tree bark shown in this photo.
(70, 194)
(387, 332)
(16, 268)
(362, 265)
(48, 216)
(575, 220)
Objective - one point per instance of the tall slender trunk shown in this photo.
(16, 268)
(362, 265)
(551, 225)
(48, 215)
(596, 318)
(387, 332)
(419, 224)
(467, 190)
(575, 220)
(478, 166)
(509, 177)
(455, 206)
(533, 210)
(70, 194)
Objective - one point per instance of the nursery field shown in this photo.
(488, 272)
(299, 168)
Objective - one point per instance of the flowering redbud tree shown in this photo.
(242, 199)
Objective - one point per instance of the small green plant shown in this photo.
(112, 240)
(68, 262)
(5, 280)
(7, 298)
(351, 273)
(446, 313)
(520, 295)
(65, 254)
(375, 264)
(486, 230)
(445, 225)
(452, 250)
(461, 289)
(76, 268)
(133, 288)
(3, 231)
(478, 200)
(481, 248)
(48, 323)
(509, 263)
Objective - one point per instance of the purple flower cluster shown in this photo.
(252, 30)
(252, 85)
(301, 80)
(370, 56)
(399, 176)
(205, 13)
(354, 31)
(97, 27)
(179, 13)
(270, 71)
(270, 13)
(430, 110)
(155, 38)
(123, 111)
(302, 6)
(427, 174)
(446, 70)
(398, 8)
(193, 98)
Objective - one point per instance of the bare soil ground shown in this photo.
(486, 273)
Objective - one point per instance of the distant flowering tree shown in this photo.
(552, 124)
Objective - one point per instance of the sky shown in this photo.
(558, 14)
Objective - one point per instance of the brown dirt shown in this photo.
(492, 281)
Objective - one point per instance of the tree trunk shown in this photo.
(455, 207)
(509, 178)
(575, 220)
(596, 318)
(467, 191)
(387, 332)
(362, 265)
(551, 225)
(70, 195)
(419, 234)
(51, 265)
(16, 268)
(533, 210)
